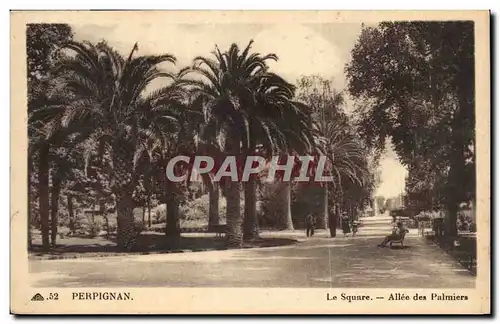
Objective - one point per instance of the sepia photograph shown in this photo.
(159, 152)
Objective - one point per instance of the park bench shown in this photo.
(424, 225)
(428, 230)
(467, 252)
(219, 230)
(400, 241)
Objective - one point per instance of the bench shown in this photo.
(220, 230)
(400, 241)
(424, 228)
(467, 252)
(429, 233)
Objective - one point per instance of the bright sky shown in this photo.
(302, 50)
(392, 174)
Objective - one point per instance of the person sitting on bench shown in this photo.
(397, 234)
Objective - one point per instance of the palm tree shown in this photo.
(167, 129)
(278, 125)
(244, 107)
(42, 43)
(346, 158)
(226, 94)
(44, 141)
(213, 199)
(347, 162)
(61, 169)
(299, 138)
(38, 153)
(104, 94)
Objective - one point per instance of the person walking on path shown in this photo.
(309, 225)
(354, 225)
(345, 225)
(332, 223)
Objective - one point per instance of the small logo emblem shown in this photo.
(37, 297)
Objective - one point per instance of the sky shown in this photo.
(302, 49)
(392, 174)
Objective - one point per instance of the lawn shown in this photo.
(147, 243)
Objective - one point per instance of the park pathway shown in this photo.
(320, 261)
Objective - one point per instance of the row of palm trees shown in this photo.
(101, 109)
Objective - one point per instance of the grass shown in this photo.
(147, 243)
(463, 253)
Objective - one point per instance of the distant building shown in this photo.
(394, 203)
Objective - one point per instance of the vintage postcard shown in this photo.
(250, 162)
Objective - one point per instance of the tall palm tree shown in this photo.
(270, 97)
(44, 141)
(61, 170)
(346, 158)
(226, 90)
(42, 43)
(246, 106)
(347, 162)
(299, 139)
(104, 93)
(39, 161)
(167, 130)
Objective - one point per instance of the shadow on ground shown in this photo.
(76, 247)
(399, 247)
(319, 262)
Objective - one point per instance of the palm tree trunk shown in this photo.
(338, 211)
(332, 221)
(213, 208)
(322, 219)
(149, 211)
(251, 221)
(103, 214)
(43, 194)
(106, 220)
(30, 236)
(233, 195)
(123, 184)
(30, 204)
(71, 213)
(54, 208)
(233, 215)
(144, 214)
(285, 221)
(125, 220)
(172, 228)
(325, 205)
(92, 220)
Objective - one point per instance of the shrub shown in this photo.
(139, 227)
(159, 214)
(195, 210)
(93, 228)
(111, 228)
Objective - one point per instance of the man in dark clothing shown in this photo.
(346, 228)
(332, 223)
(309, 225)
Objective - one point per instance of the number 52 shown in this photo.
(53, 296)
